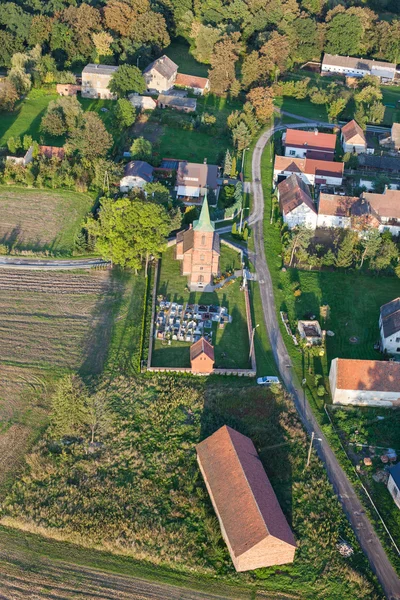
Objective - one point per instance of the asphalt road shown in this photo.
(352, 507)
(39, 264)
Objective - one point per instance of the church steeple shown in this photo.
(204, 223)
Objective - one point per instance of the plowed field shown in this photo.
(49, 322)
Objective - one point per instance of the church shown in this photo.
(199, 249)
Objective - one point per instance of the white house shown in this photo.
(351, 66)
(160, 75)
(353, 138)
(296, 204)
(335, 210)
(393, 483)
(365, 382)
(142, 102)
(313, 144)
(389, 327)
(312, 172)
(95, 81)
(22, 160)
(386, 208)
(137, 174)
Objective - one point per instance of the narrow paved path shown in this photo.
(40, 264)
(351, 504)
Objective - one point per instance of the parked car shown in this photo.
(268, 380)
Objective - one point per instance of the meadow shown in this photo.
(41, 220)
(141, 494)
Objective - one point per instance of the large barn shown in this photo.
(251, 520)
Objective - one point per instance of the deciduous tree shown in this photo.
(127, 79)
(141, 149)
(262, 101)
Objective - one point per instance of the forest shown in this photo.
(246, 43)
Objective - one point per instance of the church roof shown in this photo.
(204, 223)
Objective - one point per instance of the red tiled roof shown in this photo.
(374, 375)
(191, 81)
(310, 139)
(201, 347)
(386, 204)
(352, 130)
(244, 498)
(309, 166)
(336, 206)
(292, 193)
(52, 151)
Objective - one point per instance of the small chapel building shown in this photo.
(199, 250)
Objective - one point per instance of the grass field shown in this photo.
(51, 322)
(231, 343)
(179, 52)
(146, 482)
(41, 220)
(27, 116)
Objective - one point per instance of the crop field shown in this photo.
(49, 322)
(39, 220)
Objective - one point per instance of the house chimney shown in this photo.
(315, 131)
(386, 188)
(205, 161)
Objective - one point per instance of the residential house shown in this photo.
(393, 484)
(182, 103)
(52, 152)
(335, 210)
(194, 179)
(389, 327)
(312, 172)
(353, 138)
(363, 216)
(22, 160)
(365, 382)
(137, 173)
(384, 163)
(252, 522)
(386, 208)
(357, 67)
(67, 89)
(311, 144)
(199, 250)
(142, 102)
(95, 81)
(310, 332)
(198, 85)
(160, 75)
(395, 136)
(296, 204)
(202, 357)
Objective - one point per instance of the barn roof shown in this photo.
(372, 375)
(243, 496)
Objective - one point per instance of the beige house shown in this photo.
(353, 138)
(365, 382)
(142, 102)
(296, 204)
(95, 81)
(395, 135)
(160, 75)
(252, 522)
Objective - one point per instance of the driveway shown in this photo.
(352, 507)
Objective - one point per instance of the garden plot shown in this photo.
(188, 322)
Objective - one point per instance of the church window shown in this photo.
(201, 278)
(202, 258)
(203, 240)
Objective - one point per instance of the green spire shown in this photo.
(204, 223)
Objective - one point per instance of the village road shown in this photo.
(352, 507)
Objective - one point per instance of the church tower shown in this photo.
(199, 249)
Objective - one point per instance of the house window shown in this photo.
(292, 152)
(397, 340)
(203, 240)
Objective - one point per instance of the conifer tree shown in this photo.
(228, 163)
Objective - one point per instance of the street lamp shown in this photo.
(309, 449)
(252, 340)
(241, 212)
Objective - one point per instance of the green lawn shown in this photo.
(304, 108)
(231, 343)
(179, 52)
(391, 96)
(41, 220)
(193, 146)
(27, 117)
